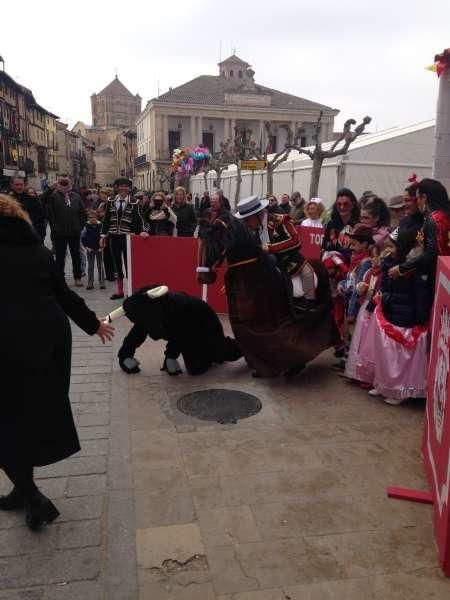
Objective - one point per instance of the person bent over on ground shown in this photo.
(189, 325)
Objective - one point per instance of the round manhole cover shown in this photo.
(223, 406)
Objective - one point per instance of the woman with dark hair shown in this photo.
(432, 199)
(413, 218)
(344, 216)
(36, 423)
(375, 214)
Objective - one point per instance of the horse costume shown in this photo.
(274, 337)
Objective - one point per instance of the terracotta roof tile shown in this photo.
(115, 88)
(211, 90)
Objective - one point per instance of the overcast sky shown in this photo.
(362, 57)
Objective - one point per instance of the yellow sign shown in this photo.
(253, 165)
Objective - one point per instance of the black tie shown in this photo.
(120, 211)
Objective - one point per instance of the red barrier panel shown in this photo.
(311, 238)
(436, 440)
(173, 261)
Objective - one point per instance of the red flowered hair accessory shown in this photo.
(413, 178)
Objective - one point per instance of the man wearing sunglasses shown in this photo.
(66, 216)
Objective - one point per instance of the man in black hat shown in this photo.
(122, 217)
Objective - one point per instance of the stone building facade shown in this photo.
(75, 156)
(28, 143)
(115, 107)
(208, 109)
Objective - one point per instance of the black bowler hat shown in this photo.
(123, 181)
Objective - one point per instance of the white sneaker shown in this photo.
(374, 392)
(394, 401)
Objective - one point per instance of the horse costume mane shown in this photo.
(227, 236)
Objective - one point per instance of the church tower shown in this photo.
(115, 106)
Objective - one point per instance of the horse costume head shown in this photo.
(225, 238)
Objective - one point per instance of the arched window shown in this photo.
(231, 73)
(240, 74)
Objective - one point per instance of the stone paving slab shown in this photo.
(289, 504)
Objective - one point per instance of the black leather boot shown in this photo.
(39, 510)
(13, 501)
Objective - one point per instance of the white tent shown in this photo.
(381, 162)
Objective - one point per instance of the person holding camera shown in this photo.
(160, 218)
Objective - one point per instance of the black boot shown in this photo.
(39, 510)
(13, 501)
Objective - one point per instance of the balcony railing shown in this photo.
(141, 161)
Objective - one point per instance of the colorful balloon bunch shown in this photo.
(201, 156)
(182, 163)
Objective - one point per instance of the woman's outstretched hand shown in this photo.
(105, 332)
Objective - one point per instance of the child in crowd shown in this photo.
(313, 210)
(395, 356)
(90, 239)
(365, 290)
(337, 269)
(360, 243)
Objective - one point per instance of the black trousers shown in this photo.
(61, 244)
(22, 479)
(118, 247)
(108, 263)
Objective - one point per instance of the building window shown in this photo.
(272, 145)
(240, 74)
(208, 140)
(303, 141)
(223, 74)
(231, 73)
(174, 141)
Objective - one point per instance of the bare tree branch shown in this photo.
(318, 155)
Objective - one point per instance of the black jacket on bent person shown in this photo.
(36, 423)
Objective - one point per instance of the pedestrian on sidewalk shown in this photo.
(36, 423)
(90, 238)
(31, 204)
(66, 216)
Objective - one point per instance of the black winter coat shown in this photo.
(186, 219)
(65, 221)
(36, 211)
(406, 301)
(36, 424)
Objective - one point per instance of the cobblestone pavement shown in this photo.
(289, 504)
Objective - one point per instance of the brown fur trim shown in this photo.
(9, 207)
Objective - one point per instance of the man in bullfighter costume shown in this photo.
(189, 325)
(122, 217)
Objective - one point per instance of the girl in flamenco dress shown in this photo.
(365, 290)
(394, 356)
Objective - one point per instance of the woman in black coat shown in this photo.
(36, 423)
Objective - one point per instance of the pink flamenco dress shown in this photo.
(353, 365)
(394, 359)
